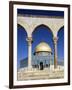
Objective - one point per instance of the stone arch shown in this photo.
(60, 29)
(44, 26)
(50, 35)
(21, 45)
(19, 25)
(60, 43)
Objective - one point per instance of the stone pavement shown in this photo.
(40, 74)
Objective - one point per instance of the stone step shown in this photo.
(40, 75)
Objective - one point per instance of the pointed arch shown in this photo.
(60, 44)
(60, 29)
(42, 33)
(44, 26)
(19, 25)
(22, 49)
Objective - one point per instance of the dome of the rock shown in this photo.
(43, 47)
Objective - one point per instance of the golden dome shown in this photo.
(43, 47)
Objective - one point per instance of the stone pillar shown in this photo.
(55, 52)
(29, 40)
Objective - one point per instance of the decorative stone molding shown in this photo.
(29, 40)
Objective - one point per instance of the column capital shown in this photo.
(55, 39)
(29, 40)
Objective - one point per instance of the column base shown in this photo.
(30, 68)
(55, 67)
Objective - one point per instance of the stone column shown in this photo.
(29, 40)
(55, 52)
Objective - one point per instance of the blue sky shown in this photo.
(41, 33)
